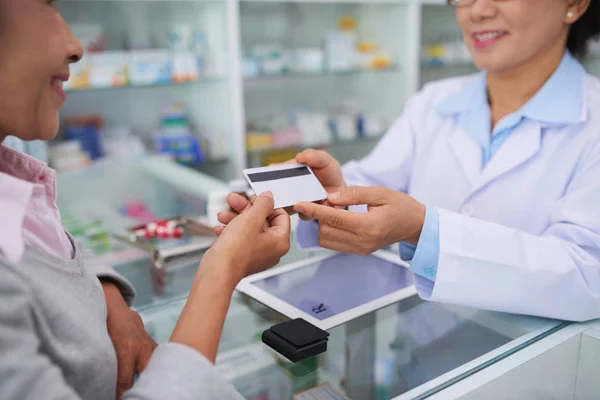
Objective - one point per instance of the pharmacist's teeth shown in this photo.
(488, 36)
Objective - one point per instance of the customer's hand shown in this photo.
(392, 217)
(254, 240)
(239, 204)
(132, 343)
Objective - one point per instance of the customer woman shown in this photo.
(494, 177)
(54, 339)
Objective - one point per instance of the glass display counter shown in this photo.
(410, 350)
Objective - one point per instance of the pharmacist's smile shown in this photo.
(57, 85)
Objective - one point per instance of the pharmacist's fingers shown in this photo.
(291, 161)
(219, 230)
(238, 202)
(305, 217)
(317, 159)
(289, 210)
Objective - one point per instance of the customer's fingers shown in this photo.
(144, 356)
(238, 202)
(226, 217)
(260, 210)
(125, 373)
(219, 230)
(280, 222)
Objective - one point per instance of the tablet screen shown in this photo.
(337, 284)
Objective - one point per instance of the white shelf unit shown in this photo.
(224, 101)
(213, 101)
(438, 25)
(301, 24)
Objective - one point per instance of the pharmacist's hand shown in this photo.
(392, 217)
(327, 170)
(253, 240)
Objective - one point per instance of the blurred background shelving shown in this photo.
(173, 98)
(219, 85)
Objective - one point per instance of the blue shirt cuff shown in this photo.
(425, 256)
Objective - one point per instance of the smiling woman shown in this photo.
(489, 183)
(36, 48)
(507, 25)
(65, 329)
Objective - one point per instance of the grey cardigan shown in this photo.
(54, 342)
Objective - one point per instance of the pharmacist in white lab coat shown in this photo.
(490, 183)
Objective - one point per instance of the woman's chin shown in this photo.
(49, 130)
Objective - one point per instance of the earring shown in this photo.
(570, 14)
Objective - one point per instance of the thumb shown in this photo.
(314, 158)
(357, 195)
(261, 209)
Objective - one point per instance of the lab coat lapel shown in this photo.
(520, 146)
(468, 153)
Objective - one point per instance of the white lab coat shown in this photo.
(521, 235)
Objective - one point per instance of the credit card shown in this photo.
(289, 183)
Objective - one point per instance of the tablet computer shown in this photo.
(330, 290)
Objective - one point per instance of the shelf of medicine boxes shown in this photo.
(324, 73)
(203, 79)
(435, 66)
(272, 152)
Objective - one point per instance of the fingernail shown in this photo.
(268, 194)
(334, 196)
(300, 209)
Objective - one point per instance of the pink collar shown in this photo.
(27, 187)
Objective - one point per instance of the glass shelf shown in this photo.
(292, 75)
(201, 80)
(337, 143)
(459, 65)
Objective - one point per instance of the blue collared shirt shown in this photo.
(470, 107)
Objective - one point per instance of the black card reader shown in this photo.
(296, 339)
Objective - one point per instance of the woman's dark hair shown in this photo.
(584, 30)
